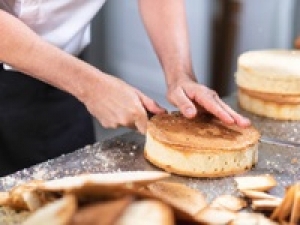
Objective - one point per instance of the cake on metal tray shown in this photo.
(200, 147)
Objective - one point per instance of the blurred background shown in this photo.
(220, 30)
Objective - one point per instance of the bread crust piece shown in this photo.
(200, 147)
(147, 212)
(280, 107)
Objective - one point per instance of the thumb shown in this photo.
(185, 105)
(189, 111)
(150, 105)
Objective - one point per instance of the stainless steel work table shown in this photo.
(125, 152)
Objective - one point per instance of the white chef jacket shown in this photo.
(63, 23)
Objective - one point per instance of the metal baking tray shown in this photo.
(125, 153)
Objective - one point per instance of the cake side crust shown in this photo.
(267, 108)
(200, 163)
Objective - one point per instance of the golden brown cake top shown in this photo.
(202, 132)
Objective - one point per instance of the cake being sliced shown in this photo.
(200, 147)
(269, 83)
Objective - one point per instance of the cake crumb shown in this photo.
(294, 160)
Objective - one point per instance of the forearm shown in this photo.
(27, 52)
(165, 21)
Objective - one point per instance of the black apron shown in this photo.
(38, 122)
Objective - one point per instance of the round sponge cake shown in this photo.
(268, 83)
(200, 147)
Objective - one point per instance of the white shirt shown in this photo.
(63, 23)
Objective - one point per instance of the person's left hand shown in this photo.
(188, 95)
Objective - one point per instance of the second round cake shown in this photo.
(268, 83)
(200, 147)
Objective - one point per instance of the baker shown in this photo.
(48, 95)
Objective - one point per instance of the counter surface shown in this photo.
(125, 153)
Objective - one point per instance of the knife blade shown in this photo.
(277, 141)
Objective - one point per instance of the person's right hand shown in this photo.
(115, 103)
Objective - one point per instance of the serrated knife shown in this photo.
(277, 141)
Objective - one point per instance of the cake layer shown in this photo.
(267, 108)
(200, 147)
(200, 133)
(269, 71)
(271, 97)
(206, 163)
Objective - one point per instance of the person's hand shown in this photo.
(115, 103)
(188, 95)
